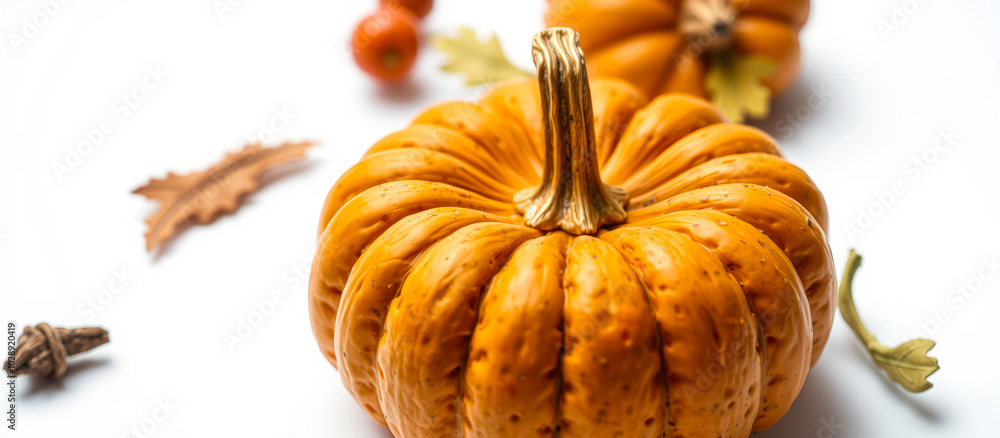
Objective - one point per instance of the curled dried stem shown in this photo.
(908, 364)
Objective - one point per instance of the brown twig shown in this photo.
(42, 350)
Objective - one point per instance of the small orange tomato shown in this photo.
(385, 44)
(419, 7)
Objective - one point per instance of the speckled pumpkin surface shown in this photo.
(450, 309)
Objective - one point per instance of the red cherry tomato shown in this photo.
(419, 7)
(385, 44)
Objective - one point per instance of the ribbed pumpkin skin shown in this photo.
(699, 316)
(638, 40)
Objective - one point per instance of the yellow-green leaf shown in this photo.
(908, 364)
(735, 84)
(482, 62)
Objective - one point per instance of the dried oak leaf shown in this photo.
(206, 195)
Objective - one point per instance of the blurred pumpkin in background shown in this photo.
(567, 257)
(671, 46)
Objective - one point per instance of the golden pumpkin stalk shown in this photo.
(571, 195)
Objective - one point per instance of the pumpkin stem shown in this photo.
(571, 195)
(707, 25)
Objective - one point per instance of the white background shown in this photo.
(61, 241)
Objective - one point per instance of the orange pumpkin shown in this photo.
(567, 256)
(664, 46)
